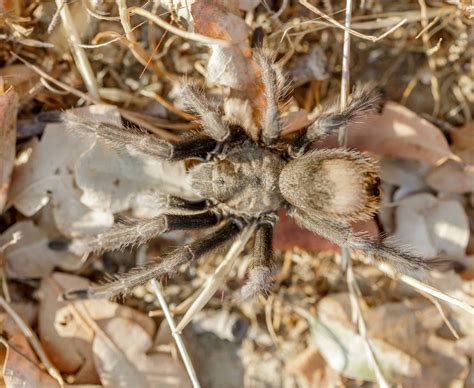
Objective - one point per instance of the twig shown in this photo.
(129, 115)
(354, 290)
(358, 319)
(33, 340)
(82, 62)
(140, 260)
(218, 277)
(443, 315)
(425, 288)
(176, 334)
(345, 77)
(372, 38)
(431, 62)
(55, 18)
(183, 34)
(15, 238)
(125, 19)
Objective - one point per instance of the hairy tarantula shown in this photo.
(243, 181)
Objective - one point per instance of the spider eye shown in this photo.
(220, 182)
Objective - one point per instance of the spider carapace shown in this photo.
(242, 180)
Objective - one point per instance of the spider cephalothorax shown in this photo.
(242, 180)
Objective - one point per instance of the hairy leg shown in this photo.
(361, 102)
(342, 235)
(211, 121)
(138, 232)
(272, 83)
(126, 138)
(126, 282)
(262, 267)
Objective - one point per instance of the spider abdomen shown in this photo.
(341, 183)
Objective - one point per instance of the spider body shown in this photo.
(242, 180)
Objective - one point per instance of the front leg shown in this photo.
(273, 84)
(362, 102)
(122, 139)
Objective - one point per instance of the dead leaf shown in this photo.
(307, 67)
(452, 177)
(230, 66)
(463, 138)
(47, 175)
(111, 180)
(342, 348)
(107, 180)
(453, 284)
(103, 340)
(432, 226)
(123, 358)
(399, 132)
(309, 365)
(31, 257)
(8, 113)
(408, 173)
(22, 367)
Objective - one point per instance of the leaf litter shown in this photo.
(55, 185)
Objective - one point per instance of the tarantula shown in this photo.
(243, 181)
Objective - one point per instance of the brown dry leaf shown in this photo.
(309, 365)
(22, 367)
(47, 176)
(104, 340)
(452, 177)
(432, 226)
(342, 348)
(107, 180)
(31, 257)
(123, 358)
(411, 328)
(8, 113)
(456, 177)
(443, 368)
(231, 66)
(399, 132)
(454, 285)
(463, 138)
(110, 180)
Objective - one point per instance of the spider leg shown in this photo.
(262, 266)
(138, 232)
(126, 282)
(141, 141)
(272, 83)
(210, 120)
(342, 235)
(363, 101)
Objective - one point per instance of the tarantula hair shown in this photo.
(243, 181)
